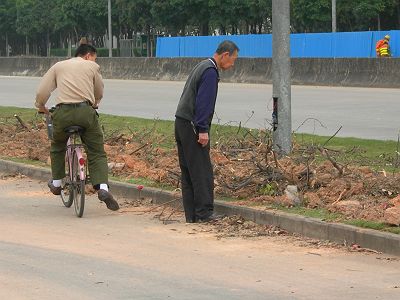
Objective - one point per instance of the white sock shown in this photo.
(57, 182)
(104, 186)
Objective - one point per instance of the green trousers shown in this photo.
(84, 116)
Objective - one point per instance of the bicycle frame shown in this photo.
(77, 169)
(73, 147)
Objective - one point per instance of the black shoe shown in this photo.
(191, 220)
(211, 218)
(56, 190)
(108, 199)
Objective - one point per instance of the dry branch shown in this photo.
(22, 122)
(332, 136)
(140, 148)
(325, 153)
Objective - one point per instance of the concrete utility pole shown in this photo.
(110, 36)
(333, 15)
(281, 116)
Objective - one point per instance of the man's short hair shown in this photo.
(227, 46)
(84, 49)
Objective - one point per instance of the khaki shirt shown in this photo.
(76, 80)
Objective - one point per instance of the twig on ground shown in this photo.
(249, 117)
(22, 122)
(332, 136)
(242, 184)
(310, 119)
(239, 128)
(279, 167)
(115, 139)
(340, 197)
(161, 205)
(174, 210)
(140, 148)
(325, 153)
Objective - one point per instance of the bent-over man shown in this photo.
(192, 133)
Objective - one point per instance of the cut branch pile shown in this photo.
(245, 167)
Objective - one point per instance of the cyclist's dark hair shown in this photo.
(227, 46)
(84, 49)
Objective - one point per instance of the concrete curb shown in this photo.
(362, 72)
(340, 233)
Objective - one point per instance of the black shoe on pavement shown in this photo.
(108, 199)
(56, 190)
(212, 218)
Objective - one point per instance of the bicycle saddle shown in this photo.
(74, 129)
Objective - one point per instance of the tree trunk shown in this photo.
(69, 45)
(151, 46)
(48, 46)
(148, 41)
(379, 22)
(246, 28)
(26, 46)
(223, 30)
(7, 48)
(204, 28)
(234, 30)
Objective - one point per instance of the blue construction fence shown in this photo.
(328, 45)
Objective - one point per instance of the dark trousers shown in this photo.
(197, 178)
(85, 116)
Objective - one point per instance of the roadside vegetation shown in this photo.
(28, 32)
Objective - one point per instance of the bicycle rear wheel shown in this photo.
(67, 196)
(78, 187)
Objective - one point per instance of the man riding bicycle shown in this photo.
(80, 89)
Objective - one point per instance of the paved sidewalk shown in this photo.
(366, 238)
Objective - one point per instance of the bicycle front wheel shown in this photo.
(78, 187)
(67, 196)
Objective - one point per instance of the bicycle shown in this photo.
(76, 171)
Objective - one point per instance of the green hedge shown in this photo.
(101, 52)
(60, 52)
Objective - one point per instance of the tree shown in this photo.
(199, 15)
(171, 15)
(368, 13)
(311, 16)
(45, 22)
(8, 14)
(260, 16)
(140, 17)
(35, 18)
(82, 18)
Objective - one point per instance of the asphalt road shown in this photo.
(362, 112)
(48, 253)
